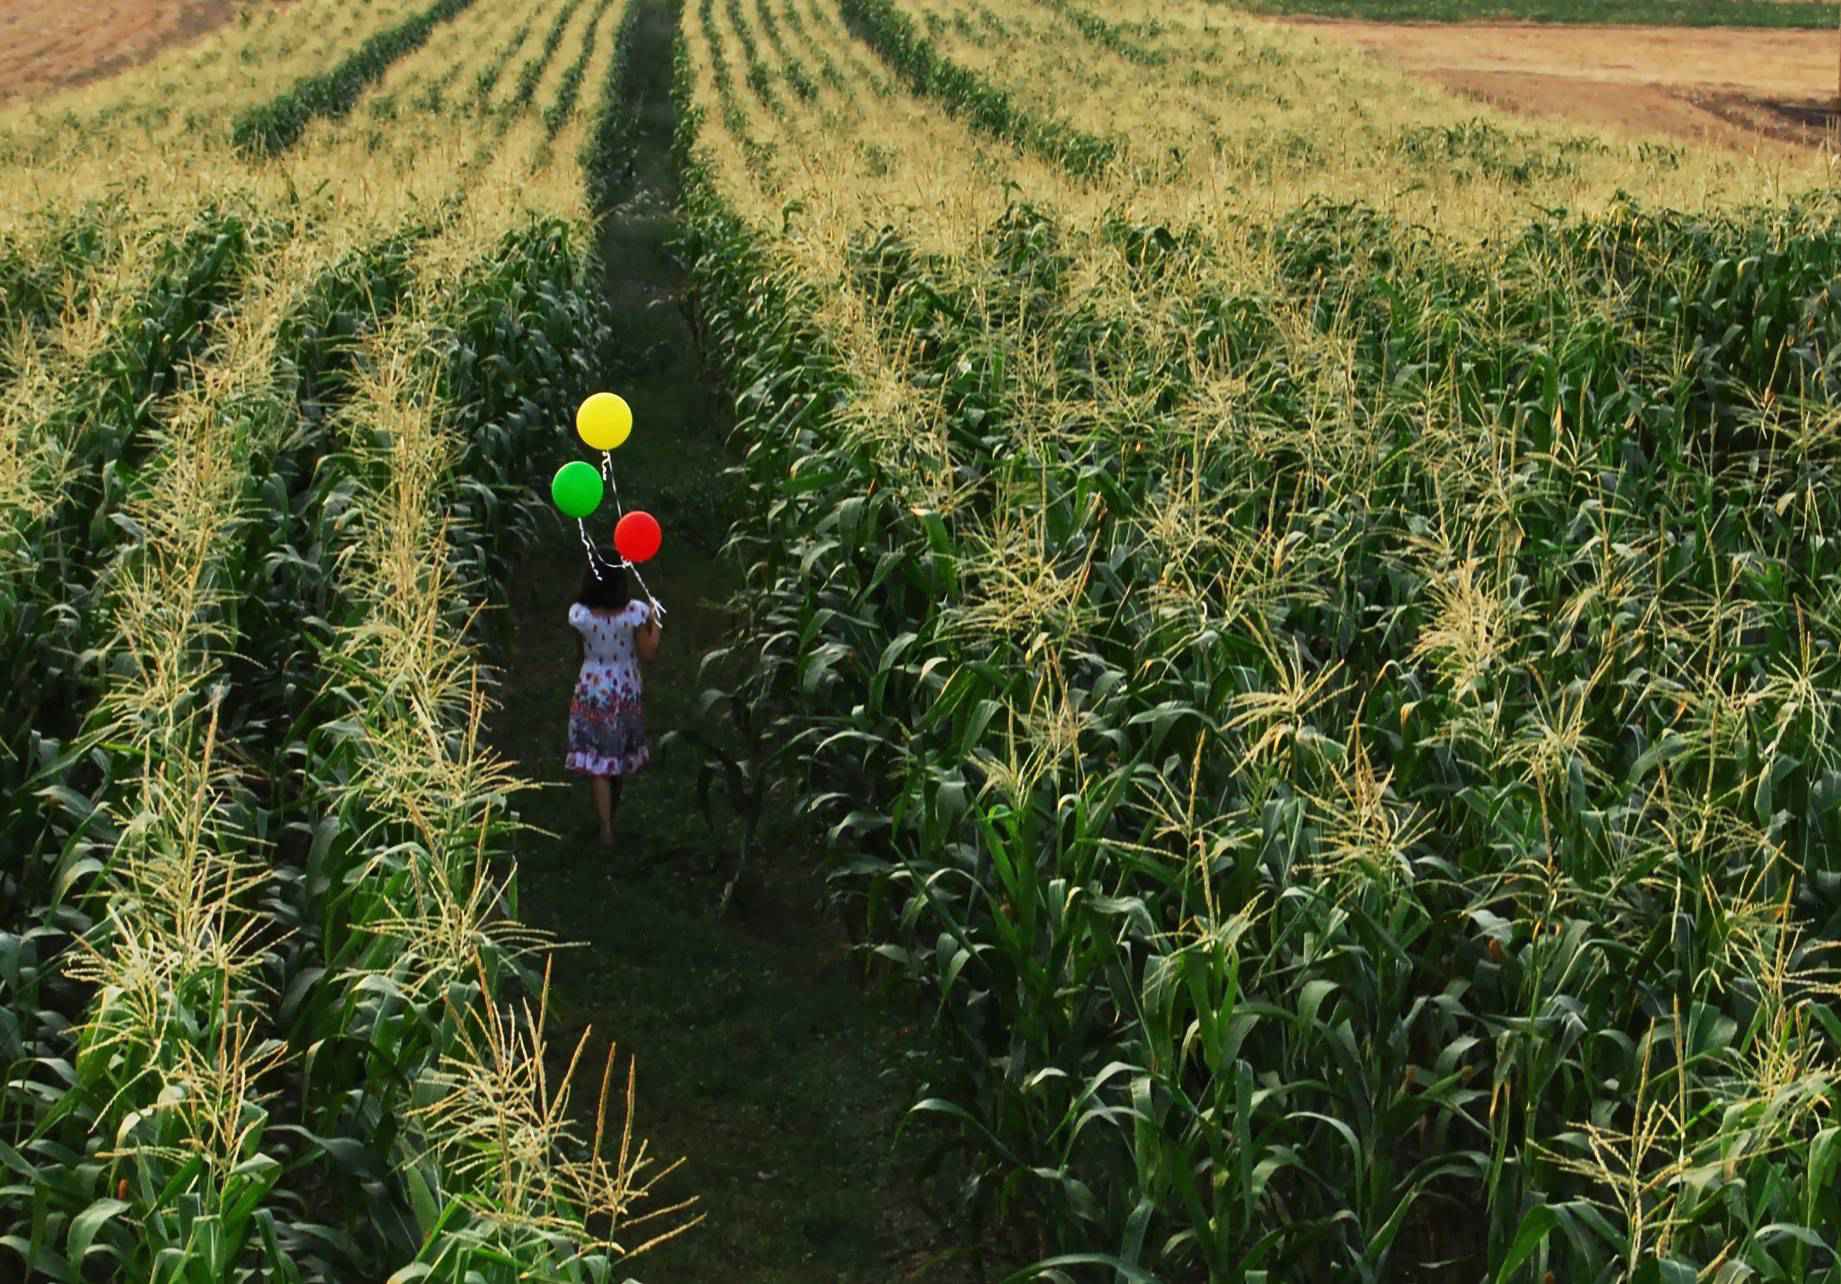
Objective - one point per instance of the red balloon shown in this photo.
(637, 536)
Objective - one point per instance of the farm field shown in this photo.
(1288, 614)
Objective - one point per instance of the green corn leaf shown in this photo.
(86, 1224)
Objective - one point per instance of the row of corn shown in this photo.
(268, 1012)
(1348, 751)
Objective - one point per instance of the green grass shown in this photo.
(1661, 13)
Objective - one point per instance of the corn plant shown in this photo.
(488, 78)
(256, 964)
(1321, 800)
(531, 73)
(1112, 35)
(790, 67)
(827, 69)
(607, 154)
(911, 56)
(557, 114)
(276, 125)
(734, 119)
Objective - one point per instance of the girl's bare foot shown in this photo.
(607, 838)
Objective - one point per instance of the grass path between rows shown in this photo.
(761, 1056)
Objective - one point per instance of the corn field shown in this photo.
(1301, 612)
(1305, 614)
(275, 372)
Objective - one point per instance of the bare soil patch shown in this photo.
(47, 45)
(1745, 87)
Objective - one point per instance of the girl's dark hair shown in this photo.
(609, 592)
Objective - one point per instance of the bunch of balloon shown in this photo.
(603, 422)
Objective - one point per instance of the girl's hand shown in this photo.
(645, 640)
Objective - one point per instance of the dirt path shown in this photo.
(47, 45)
(762, 1059)
(1735, 87)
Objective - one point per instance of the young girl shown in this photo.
(607, 725)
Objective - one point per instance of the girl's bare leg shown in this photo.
(604, 795)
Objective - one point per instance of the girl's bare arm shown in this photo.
(645, 640)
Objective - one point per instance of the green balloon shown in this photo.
(576, 489)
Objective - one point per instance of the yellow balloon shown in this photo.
(604, 420)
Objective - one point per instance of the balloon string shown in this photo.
(593, 561)
(658, 607)
(607, 473)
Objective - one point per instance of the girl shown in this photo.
(607, 726)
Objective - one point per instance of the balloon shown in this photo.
(576, 488)
(604, 421)
(636, 536)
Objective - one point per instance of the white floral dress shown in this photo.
(607, 725)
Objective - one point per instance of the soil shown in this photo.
(1749, 88)
(47, 45)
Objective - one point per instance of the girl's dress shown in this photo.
(607, 726)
